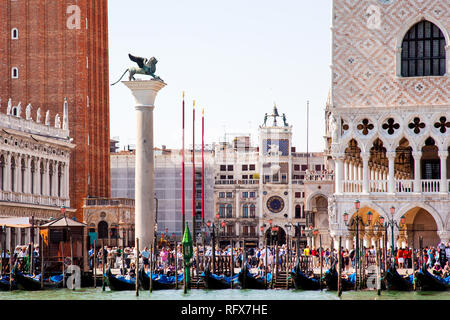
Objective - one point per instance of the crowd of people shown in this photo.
(435, 258)
(20, 259)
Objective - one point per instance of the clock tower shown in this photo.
(276, 194)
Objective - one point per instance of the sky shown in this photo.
(235, 58)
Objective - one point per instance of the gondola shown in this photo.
(331, 280)
(425, 281)
(5, 285)
(119, 283)
(395, 282)
(159, 282)
(215, 282)
(302, 281)
(33, 283)
(249, 281)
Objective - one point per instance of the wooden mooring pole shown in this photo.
(103, 265)
(71, 260)
(94, 264)
(11, 257)
(321, 261)
(63, 264)
(378, 257)
(41, 255)
(137, 267)
(176, 265)
(231, 264)
(340, 267)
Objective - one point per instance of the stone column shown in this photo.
(339, 159)
(444, 185)
(391, 177)
(365, 157)
(417, 157)
(144, 94)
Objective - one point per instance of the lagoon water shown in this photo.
(235, 294)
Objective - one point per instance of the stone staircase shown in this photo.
(282, 281)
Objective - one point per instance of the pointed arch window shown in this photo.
(423, 51)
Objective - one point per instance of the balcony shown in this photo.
(427, 186)
(104, 202)
(33, 199)
(248, 181)
(225, 182)
(319, 177)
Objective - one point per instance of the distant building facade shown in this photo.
(34, 169)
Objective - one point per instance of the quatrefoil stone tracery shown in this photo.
(442, 125)
(390, 126)
(416, 125)
(365, 127)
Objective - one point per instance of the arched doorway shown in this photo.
(320, 221)
(275, 236)
(419, 224)
(102, 230)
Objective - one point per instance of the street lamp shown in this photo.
(210, 224)
(391, 223)
(357, 220)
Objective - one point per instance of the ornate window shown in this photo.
(245, 211)
(50, 185)
(2, 172)
(252, 211)
(33, 169)
(423, 51)
(22, 175)
(222, 211)
(13, 174)
(229, 211)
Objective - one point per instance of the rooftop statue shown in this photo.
(146, 67)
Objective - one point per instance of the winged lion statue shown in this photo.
(146, 67)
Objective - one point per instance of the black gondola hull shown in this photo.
(144, 281)
(116, 284)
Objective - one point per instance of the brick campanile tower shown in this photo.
(53, 49)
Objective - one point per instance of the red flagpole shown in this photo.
(203, 165)
(183, 205)
(193, 172)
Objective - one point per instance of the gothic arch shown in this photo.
(407, 26)
(433, 212)
(411, 22)
(312, 196)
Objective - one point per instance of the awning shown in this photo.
(23, 222)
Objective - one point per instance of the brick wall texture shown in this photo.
(55, 62)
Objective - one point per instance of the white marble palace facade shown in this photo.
(388, 118)
(34, 167)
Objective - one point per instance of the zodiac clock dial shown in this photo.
(275, 204)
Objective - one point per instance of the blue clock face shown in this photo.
(275, 204)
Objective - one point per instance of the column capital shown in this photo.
(417, 154)
(365, 156)
(391, 155)
(339, 156)
(443, 153)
